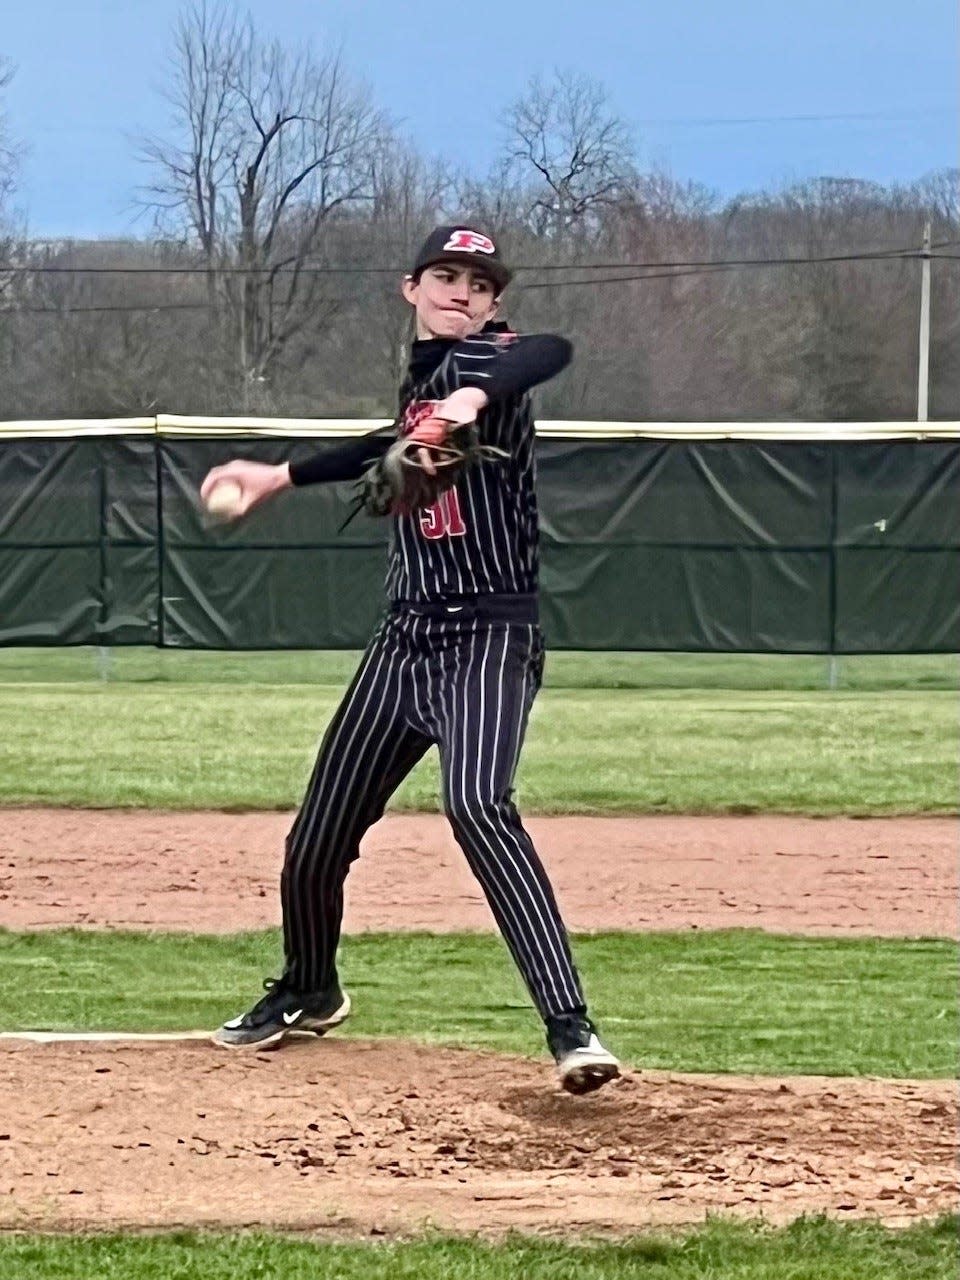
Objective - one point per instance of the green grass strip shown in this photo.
(565, 669)
(182, 746)
(808, 1249)
(731, 1001)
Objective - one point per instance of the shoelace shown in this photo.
(270, 986)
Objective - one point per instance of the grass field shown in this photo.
(231, 732)
(565, 670)
(733, 1001)
(611, 733)
(809, 1249)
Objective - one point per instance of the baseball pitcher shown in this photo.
(456, 660)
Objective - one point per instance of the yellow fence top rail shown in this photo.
(331, 428)
(81, 427)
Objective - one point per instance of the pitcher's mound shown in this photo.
(361, 1136)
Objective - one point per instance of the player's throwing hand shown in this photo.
(256, 481)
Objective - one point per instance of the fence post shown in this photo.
(103, 534)
(834, 668)
(161, 548)
(923, 370)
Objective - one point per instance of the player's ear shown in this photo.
(409, 288)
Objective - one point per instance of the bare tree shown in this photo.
(271, 146)
(500, 201)
(937, 194)
(365, 357)
(9, 150)
(575, 154)
(10, 243)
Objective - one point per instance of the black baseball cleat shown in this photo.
(281, 1011)
(583, 1064)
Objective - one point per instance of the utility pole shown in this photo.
(923, 376)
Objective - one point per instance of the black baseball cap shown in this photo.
(463, 244)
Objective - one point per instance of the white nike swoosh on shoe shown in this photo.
(291, 1018)
(233, 1024)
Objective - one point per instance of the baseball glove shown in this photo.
(413, 473)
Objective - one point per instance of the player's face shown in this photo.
(452, 300)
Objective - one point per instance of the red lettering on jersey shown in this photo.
(431, 523)
(444, 519)
(465, 241)
(456, 525)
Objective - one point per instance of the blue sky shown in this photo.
(737, 94)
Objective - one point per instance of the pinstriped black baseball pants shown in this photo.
(466, 683)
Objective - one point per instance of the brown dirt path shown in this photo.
(357, 1137)
(215, 872)
(362, 1136)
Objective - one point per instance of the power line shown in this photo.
(720, 122)
(905, 251)
(640, 272)
(202, 271)
(66, 309)
(718, 268)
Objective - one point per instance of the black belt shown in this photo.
(485, 608)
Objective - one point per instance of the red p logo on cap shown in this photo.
(464, 241)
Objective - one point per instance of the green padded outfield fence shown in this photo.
(789, 538)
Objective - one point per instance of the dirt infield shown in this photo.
(366, 1137)
(212, 872)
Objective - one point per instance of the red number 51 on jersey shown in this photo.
(444, 519)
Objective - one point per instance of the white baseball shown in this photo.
(224, 499)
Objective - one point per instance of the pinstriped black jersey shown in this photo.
(481, 537)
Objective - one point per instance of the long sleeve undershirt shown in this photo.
(345, 460)
(494, 361)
